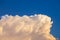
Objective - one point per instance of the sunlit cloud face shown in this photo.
(36, 27)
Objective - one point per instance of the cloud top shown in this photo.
(36, 27)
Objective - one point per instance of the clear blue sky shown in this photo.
(31, 7)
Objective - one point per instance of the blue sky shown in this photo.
(31, 7)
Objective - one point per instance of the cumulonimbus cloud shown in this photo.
(36, 27)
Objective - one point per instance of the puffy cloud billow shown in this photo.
(36, 27)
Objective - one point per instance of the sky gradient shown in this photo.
(31, 7)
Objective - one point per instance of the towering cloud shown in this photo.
(36, 27)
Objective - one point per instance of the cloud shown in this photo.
(36, 27)
(57, 38)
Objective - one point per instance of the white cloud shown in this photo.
(36, 27)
